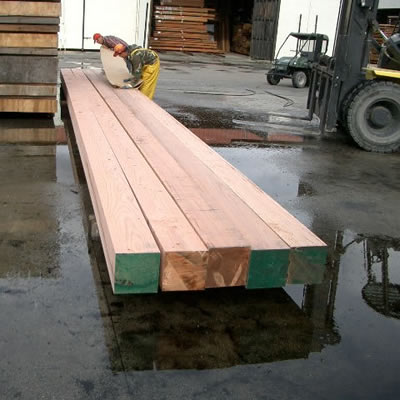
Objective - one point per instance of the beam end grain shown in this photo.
(30, 9)
(136, 273)
(268, 269)
(28, 105)
(228, 267)
(183, 271)
(307, 265)
(33, 40)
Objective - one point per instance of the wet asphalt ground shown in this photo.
(64, 335)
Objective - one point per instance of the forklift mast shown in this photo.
(334, 78)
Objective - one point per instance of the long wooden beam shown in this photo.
(35, 40)
(308, 254)
(28, 51)
(184, 256)
(28, 90)
(7, 19)
(133, 257)
(28, 105)
(33, 69)
(228, 249)
(30, 9)
(29, 28)
(32, 131)
(267, 249)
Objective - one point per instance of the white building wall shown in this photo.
(389, 4)
(289, 16)
(70, 36)
(123, 18)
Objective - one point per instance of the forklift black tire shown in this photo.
(342, 121)
(299, 79)
(272, 78)
(373, 117)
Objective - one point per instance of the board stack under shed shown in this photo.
(388, 30)
(184, 25)
(28, 55)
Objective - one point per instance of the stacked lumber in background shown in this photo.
(388, 30)
(183, 3)
(181, 25)
(241, 40)
(28, 55)
(33, 131)
(172, 212)
(393, 20)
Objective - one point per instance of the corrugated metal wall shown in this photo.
(265, 24)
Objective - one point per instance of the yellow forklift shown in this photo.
(346, 91)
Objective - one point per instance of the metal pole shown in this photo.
(315, 31)
(83, 25)
(145, 25)
(297, 45)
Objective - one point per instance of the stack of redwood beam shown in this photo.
(181, 25)
(28, 55)
(171, 212)
(388, 30)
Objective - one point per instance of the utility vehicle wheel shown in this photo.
(272, 77)
(373, 117)
(299, 79)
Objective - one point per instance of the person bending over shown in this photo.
(108, 41)
(143, 64)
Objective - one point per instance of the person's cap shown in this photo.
(118, 49)
(96, 36)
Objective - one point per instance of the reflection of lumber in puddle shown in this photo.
(29, 228)
(203, 330)
(213, 136)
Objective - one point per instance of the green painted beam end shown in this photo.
(307, 265)
(268, 269)
(137, 273)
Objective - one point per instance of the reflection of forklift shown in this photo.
(310, 46)
(379, 293)
(345, 90)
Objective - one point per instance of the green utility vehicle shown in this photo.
(310, 46)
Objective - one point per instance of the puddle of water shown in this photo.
(221, 137)
(225, 328)
(49, 309)
(66, 328)
(274, 180)
(200, 117)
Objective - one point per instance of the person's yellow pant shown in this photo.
(150, 76)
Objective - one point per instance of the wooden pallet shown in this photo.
(212, 226)
(28, 55)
